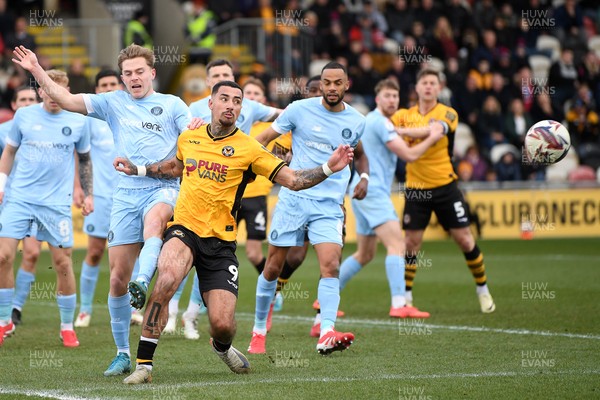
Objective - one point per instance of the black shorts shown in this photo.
(446, 201)
(254, 212)
(215, 261)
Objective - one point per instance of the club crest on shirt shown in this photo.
(66, 131)
(156, 110)
(111, 236)
(346, 133)
(228, 151)
(450, 116)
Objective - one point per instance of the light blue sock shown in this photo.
(329, 299)
(136, 269)
(66, 306)
(87, 286)
(394, 268)
(149, 259)
(195, 295)
(22, 287)
(120, 317)
(134, 274)
(348, 269)
(6, 297)
(265, 290)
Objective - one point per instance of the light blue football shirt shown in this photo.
(145, 130)
(103, 154)
(46, 143)
(4, 130)
(382, 162)
(252, 111)
(316, 133)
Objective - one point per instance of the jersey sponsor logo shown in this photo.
(66, 131)
(346, 133)
(228, 151)
(47, 145)
(319, 146)
(156, 110)
(137, 123)
(207, 169)
(194, 141)
(316, 128)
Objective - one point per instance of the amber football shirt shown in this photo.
(434, 167)
(215, 174)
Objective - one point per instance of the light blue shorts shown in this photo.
(293, 214)
(54, 223)
(97, 224)
(129, 208)
(372, 212)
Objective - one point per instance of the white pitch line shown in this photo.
(45, 394)
(396, 324)
(54, 394)
(244, 316)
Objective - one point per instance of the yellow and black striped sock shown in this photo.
(410, 270)
(145, 352)
(476, 266)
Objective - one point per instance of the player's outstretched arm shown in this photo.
(306, 178)
(411, 154)
(167, 169)
(266, 136)
(68, 101)
(86, 179)
(6, 164)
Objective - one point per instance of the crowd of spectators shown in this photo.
(483, 49)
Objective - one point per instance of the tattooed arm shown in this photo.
(306, 178)
(167, 169)
(86, 179)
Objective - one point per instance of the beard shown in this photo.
(336, 102)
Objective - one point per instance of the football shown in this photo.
(547, 142)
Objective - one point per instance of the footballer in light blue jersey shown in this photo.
(252, 112)
(46, 138)
(319, 125)
(46, 143)
(375, 215)
(145, 130)
(23, 97)
(145, 125)
(316, 133)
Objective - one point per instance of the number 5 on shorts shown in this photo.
(460, 210)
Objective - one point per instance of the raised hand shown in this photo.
(25, 58)
(341, 157)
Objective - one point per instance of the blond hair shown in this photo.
(58, 76)
(135, 51)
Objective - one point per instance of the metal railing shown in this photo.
(286, 50)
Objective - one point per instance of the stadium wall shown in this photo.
(551, 214)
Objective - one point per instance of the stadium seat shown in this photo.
(589, 154)
(559, 172)
(594, 44)
(540, 66)
(501, 149)
(463, 138)
(582, 173)
(549, 43)
(315, 67)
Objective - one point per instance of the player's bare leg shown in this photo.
(174, 263)
(221, 316)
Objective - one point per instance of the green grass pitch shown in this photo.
(543, 341)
